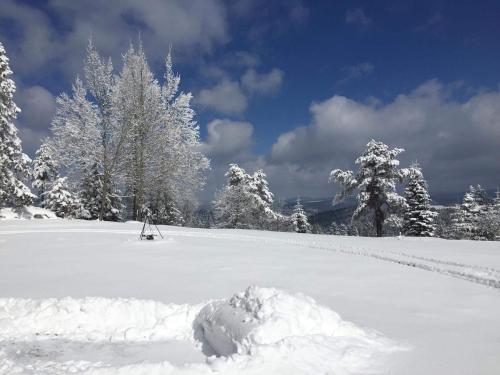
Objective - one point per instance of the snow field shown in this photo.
(255, 328)
(437, 298)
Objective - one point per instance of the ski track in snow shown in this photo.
(477, 274)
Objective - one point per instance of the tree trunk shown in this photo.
(379, 222)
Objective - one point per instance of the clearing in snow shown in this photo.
(89, 297)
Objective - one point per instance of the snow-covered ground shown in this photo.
(90, 297)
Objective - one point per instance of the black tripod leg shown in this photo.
(158, 230)
(142, 231)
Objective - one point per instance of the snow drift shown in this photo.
(27, 212)
(260, 330)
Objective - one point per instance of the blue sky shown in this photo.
(293, 87)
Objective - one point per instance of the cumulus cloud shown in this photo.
(228, 139)
(227, 142)
(194, 26)
(456, 142)
(38, 106)
(37, 109)
(225, 97)
(230, 97)
(357, 17)
(262, 83)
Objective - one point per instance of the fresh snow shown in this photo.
(89, 297)
(27, 212)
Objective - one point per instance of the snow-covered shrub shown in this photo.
(60, 199)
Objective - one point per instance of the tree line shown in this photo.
(246, 202)
(123, 143)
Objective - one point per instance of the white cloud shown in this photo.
(38, 106)
(227, 142)
(224, 97)
(192, 27)
(228, 139)
(37, 109)
(262, 83)
(456, 142)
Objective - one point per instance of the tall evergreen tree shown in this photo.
(14, 164)
(300, 223)
(375, 181)
(45, 169)
(418, 218)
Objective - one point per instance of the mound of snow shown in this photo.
(27, 212)
(95, 319)
(292, 329)
(258, 331)
(260, 316)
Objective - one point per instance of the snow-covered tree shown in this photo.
(246, 200)
(235, 204)
(299, 220)
(91, 193)
(352, 230)
(334, 228)
(138, 102)
(466, 216)
(14, 164)
(261, 187)
(142, 135)
(76, 141)
(165, 210)
(489, 224)
(45, 169)
(479, 195)
(375, 181)
(60, 199)
(178, 166)
(339, 229)
(418, 218)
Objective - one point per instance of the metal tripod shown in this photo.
(148, 234)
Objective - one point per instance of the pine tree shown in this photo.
(260, 187)
(45, 169)
(14, 164)
(299, 220)
(418, 218)
(235, 204)
(246, 201)
(466, 216)
(60, 199)
(334, 228)
(376, 182)
(91, 194)
(352, 230)
(165, 211)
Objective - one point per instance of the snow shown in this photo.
(89, 297)
(27, 212)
